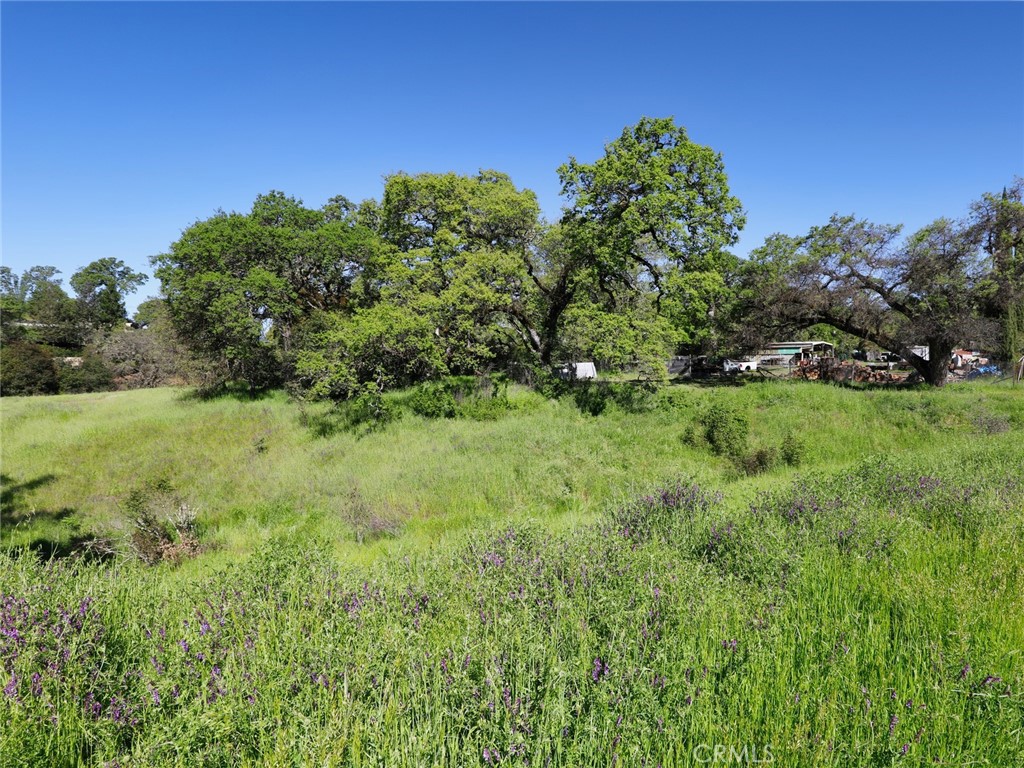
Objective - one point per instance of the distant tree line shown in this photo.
(455, 275)
(51, 342)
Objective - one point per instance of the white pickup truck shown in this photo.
(735, 366)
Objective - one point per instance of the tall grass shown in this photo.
(860, 617)
(255, 470)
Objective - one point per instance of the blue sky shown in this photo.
(122, 123)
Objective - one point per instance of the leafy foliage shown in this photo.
(936, 288)
(349, 294)
(25, 369)
(101, 287)
(91, 374)
(726, 429)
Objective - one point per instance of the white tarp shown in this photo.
(577, 371)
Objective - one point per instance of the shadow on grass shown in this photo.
(10, 490)
(15, 512)
(715, 381)
(237, 392)
(12, 502)
(342, 420)
(721, 380)
(87, 547)
(326, 424)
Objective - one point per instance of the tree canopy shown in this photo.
(101, 287)
(456, 274)
(928, 290)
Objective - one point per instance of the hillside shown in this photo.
(543, 588)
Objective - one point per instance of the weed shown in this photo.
(162, 527)
(367, 522)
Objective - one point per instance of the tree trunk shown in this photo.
(559, 299)
(935, 369)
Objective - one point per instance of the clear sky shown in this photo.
(123, 123)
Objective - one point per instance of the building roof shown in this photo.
(797, 344)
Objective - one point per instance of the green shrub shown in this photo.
(793, 450)
(675, 398)
(25, 369)
(92, 375)
(590, 397)
(758, 461)
(594, 397)
(726, 429)
(432, 401)
(369, 411)
(551, 385)
(484, 409)
(479, 398)
(640, 397)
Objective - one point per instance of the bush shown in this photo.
(367, 522)
(590, 397)
(726, 429)
(594, 397)
(479, 398)
(163, 528)
(484, 409)
(91, 375)
(793, 450)
(640, 397)
(432, 401)
(369, 411)
(758, 461)
(142, 358)
(25, 369)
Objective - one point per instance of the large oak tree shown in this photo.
(861, 278)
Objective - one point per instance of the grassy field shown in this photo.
(545, 588)
(254, 470)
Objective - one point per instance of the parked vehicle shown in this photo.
(735, 366)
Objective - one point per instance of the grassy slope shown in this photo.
(865, 610)
(252, 471)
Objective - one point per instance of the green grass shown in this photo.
(550, 594)
(252, 471)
